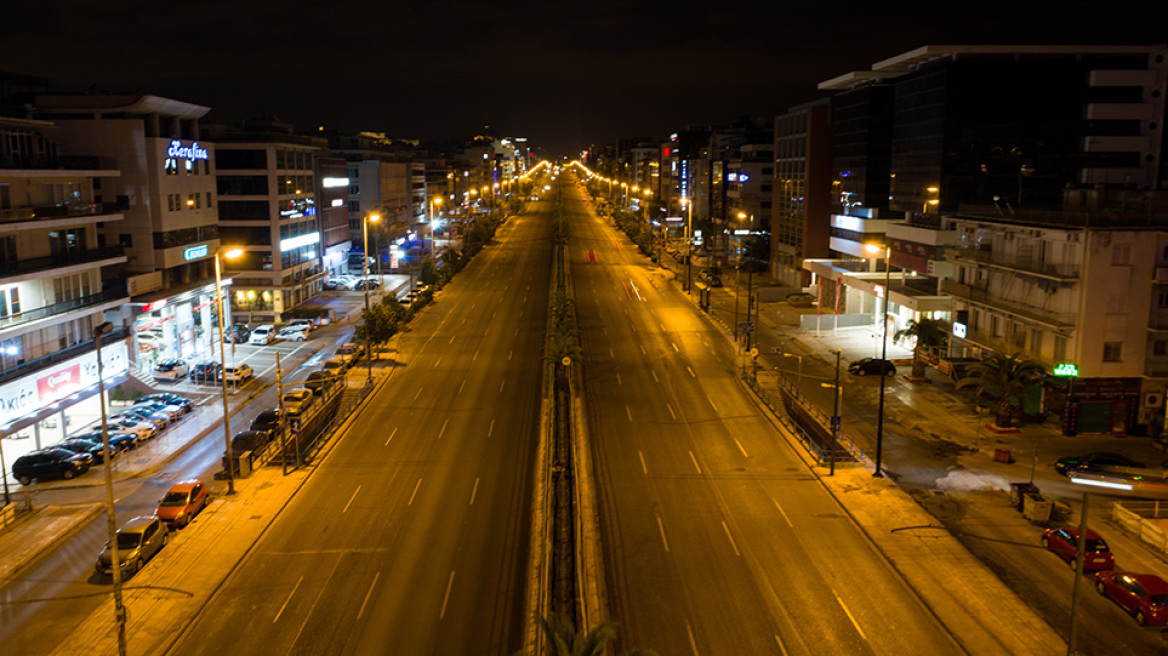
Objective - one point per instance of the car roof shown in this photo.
(185, 486)
(138, 523)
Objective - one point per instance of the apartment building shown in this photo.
(800, 192)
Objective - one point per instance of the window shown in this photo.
(1060, 348)
(1160, 347)
(208, 200)
(1112, 351)
(1162, 301)
(8, 248)
(126, 240)
(1036, 340)
(66, 242)
(171, 166)
(355, 206)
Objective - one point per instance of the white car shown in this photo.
(171, 370)
(142, 430)
(262, 335)
(292, 335)
(297, 401)
(301, 324)
(238, 374)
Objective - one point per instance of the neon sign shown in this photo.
(195, 252)
(193, 151)
(1066, 369)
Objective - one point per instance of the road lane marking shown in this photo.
(712, 404)
(675, 349)
(732, 543)
(660, 527)
(691, 372)
(501, 384)
(693, 644)
(643, 351)
(438, 363)
(462, 386)
(418, 394)
(629, 413)
(476, 356)
(451, 340)
(416, 486)
(509, 354)
(474, 491)
(744, 453)
(782, 647)
(391, 436)
(671, 413)
(636, 291)
(644, 468)
(695, 461)
(850, 616)
(524, 299)
(610, 353)
(368, 595)
(605, 330)
(443, 431)
(626, 288)
(783, 512)
(655, 379)
(618, 380)
(516, 333)
(446, 597)
(346, 508)
(281, 611)
(491, 429)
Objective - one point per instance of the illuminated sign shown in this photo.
(958, 329)
(156, 305)
(297, 242)
(674, 219)
(179, 151)
(1066, 369)
(732, 177)
(195, 252)
(337, 202)
(878, 290)
(329, 183)
(742, 177)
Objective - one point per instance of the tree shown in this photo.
(378, 325)
(928, 335)
(427, 274)
(1005, 378)
(563, 640)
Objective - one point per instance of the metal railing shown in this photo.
(984, 297)
(43, 362)
(47, 311)
(1063, 271)
(34, 264)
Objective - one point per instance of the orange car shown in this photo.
(182, 502)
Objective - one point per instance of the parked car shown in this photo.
(141, 429)
(119, 440)
(800, 299)
(138, 540)
(239, 374)
(159, 419)
(171, 370)
(250, 440)
(366, 284)
(876, 366)
(336, 366)
(268, 421)
(1094, 462)
(292, 335)
(302, 324)
(1065, 542)
(49, 463)
(182, 502)
(170, 399)
(331, 285)
(91, 452)
(349, 353)
(1145, 596)
(297, 401)
(172, 412)
(264, 334)
(206, 372)
(237, 334)
(320, 382)
(711, 279)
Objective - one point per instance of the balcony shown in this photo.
(1060, 272)
(1002, 345)
(23, 214)
(43, 362)
(93, 300)
(1058, 320)
(36, 264)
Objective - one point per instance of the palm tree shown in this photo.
(928, 335)
(563, 640)
(1005, 379)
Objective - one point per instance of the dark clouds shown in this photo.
(562, 73)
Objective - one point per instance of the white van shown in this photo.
(265, 334)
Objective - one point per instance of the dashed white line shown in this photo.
(629, 413)
(368, 595)
(524, 299)
(712, 404)
(346, 508)
(674, 345)
(660, 527)
(474, 491)
(443, 431)
(502, 384)
(732, 543)
(644, 468)
(691, 372)
(418, 394)
(618, 380)
(605, 330)
(671, 412)
(451, 340)
(655, 379)
(695, 462)
(446, 597)
(416, 486)
(509, 354)
(294, 588)
(462, 386)
(610, 353)
(744, 453)
(850, 616)
(782, 647)
(643, 351)
(390, 436)
(693, 644)
(491, 429)
(476, 356)
(782, 512)
(438, 363)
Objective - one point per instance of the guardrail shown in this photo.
(1132, 517)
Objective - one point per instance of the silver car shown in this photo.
(139, 540)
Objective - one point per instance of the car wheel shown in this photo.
(68, 475)
(861, 372)
(1101, 588)
(1045, 542)
(1072, 562)
(137, 567)
(24, 480)
(1140, 619)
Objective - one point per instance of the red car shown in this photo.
(182, 502)
(1143, 595)
(1065, 543)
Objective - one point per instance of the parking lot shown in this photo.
(262, 360)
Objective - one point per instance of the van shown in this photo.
(262, 335)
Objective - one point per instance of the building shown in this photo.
(800, 192)
(332, 177)
(749, 188)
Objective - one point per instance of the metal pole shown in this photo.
(4, 471)
(737, 293)
(836, 420)
(883, 358)
(368, 341)
(1078, 575)
(119, 606)
(749, 304)
(280, 408)
(223, 377)
(689, 249)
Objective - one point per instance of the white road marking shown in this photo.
(443, 431)
(712, 404)
(509, 354)
(732, 543)
(663, 328)
(368, 594)
(474, 491)
(695, 462)
(438, 363)
(675, 349)
(390, 436)
(660, 527)
(524, 299)
(446, 597)
(516, 334)
(501, 384)
(671, 413)
(782, 647)
(744, 453)
(693, 644)
(462, 386)
(643, 352)
(783, 512)
(691, 372)
(850, 616)
(346, 509)
(605, 330)
(281, 611)
(644, 468)
(629, 413)
(418, 485)
(618, 380)
(655, 379)
(418, 394)
(610, 353)
(476, 356)
(491, 429)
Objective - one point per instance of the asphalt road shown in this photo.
(411, 535)
(717, 539)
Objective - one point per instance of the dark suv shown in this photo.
(1098, 461)
(268, 421)
(237, 334)
(872, 366)
(49, 463)
(206, 372)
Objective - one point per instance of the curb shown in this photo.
(32, 557)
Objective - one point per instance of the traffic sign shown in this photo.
(746, 326)
(294, 425)
(776, 350)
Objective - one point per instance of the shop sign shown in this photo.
(35, 391)
(179, 151)
(1066, 369)
(195, 252)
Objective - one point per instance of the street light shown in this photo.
(99, 333)
(873, 248)
(368, 342)
(230, 462)
(433, 213)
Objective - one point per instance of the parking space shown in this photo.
(262, 360)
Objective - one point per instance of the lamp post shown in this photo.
(99, 333)
(689, 245)
(433, 214)
(368, 342)
(231, 255)
(872, 248)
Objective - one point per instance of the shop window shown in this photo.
(171, 166)
(1112, 351)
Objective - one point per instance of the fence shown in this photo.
(1139, 519)
(788, 402)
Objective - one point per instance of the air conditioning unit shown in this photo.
(1153, 399)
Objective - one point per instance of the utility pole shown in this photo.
(119, 606)
(280, 401)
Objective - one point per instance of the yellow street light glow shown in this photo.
(375, 217)
(874, 248)
(438, 201)
(742, 215)
(233, 253)
(933, 190)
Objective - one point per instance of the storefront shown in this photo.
(1096, 405)
(183, 325)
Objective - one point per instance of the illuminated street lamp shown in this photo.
(368, 342)
(433, 220)
(230, 462)
(875, 249)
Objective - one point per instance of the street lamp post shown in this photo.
(883, 354)
(99, 333)
(368, 341)
(689, 246)
(433, 214)
(231, 255)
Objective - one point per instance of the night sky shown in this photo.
(564, 74)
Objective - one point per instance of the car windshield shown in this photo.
(1094, 545)
(175, 499)
(1159, 599)
(129, 540)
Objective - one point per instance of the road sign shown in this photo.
(746, 326)
(776, 350)
(835, 424)
(294, 425)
